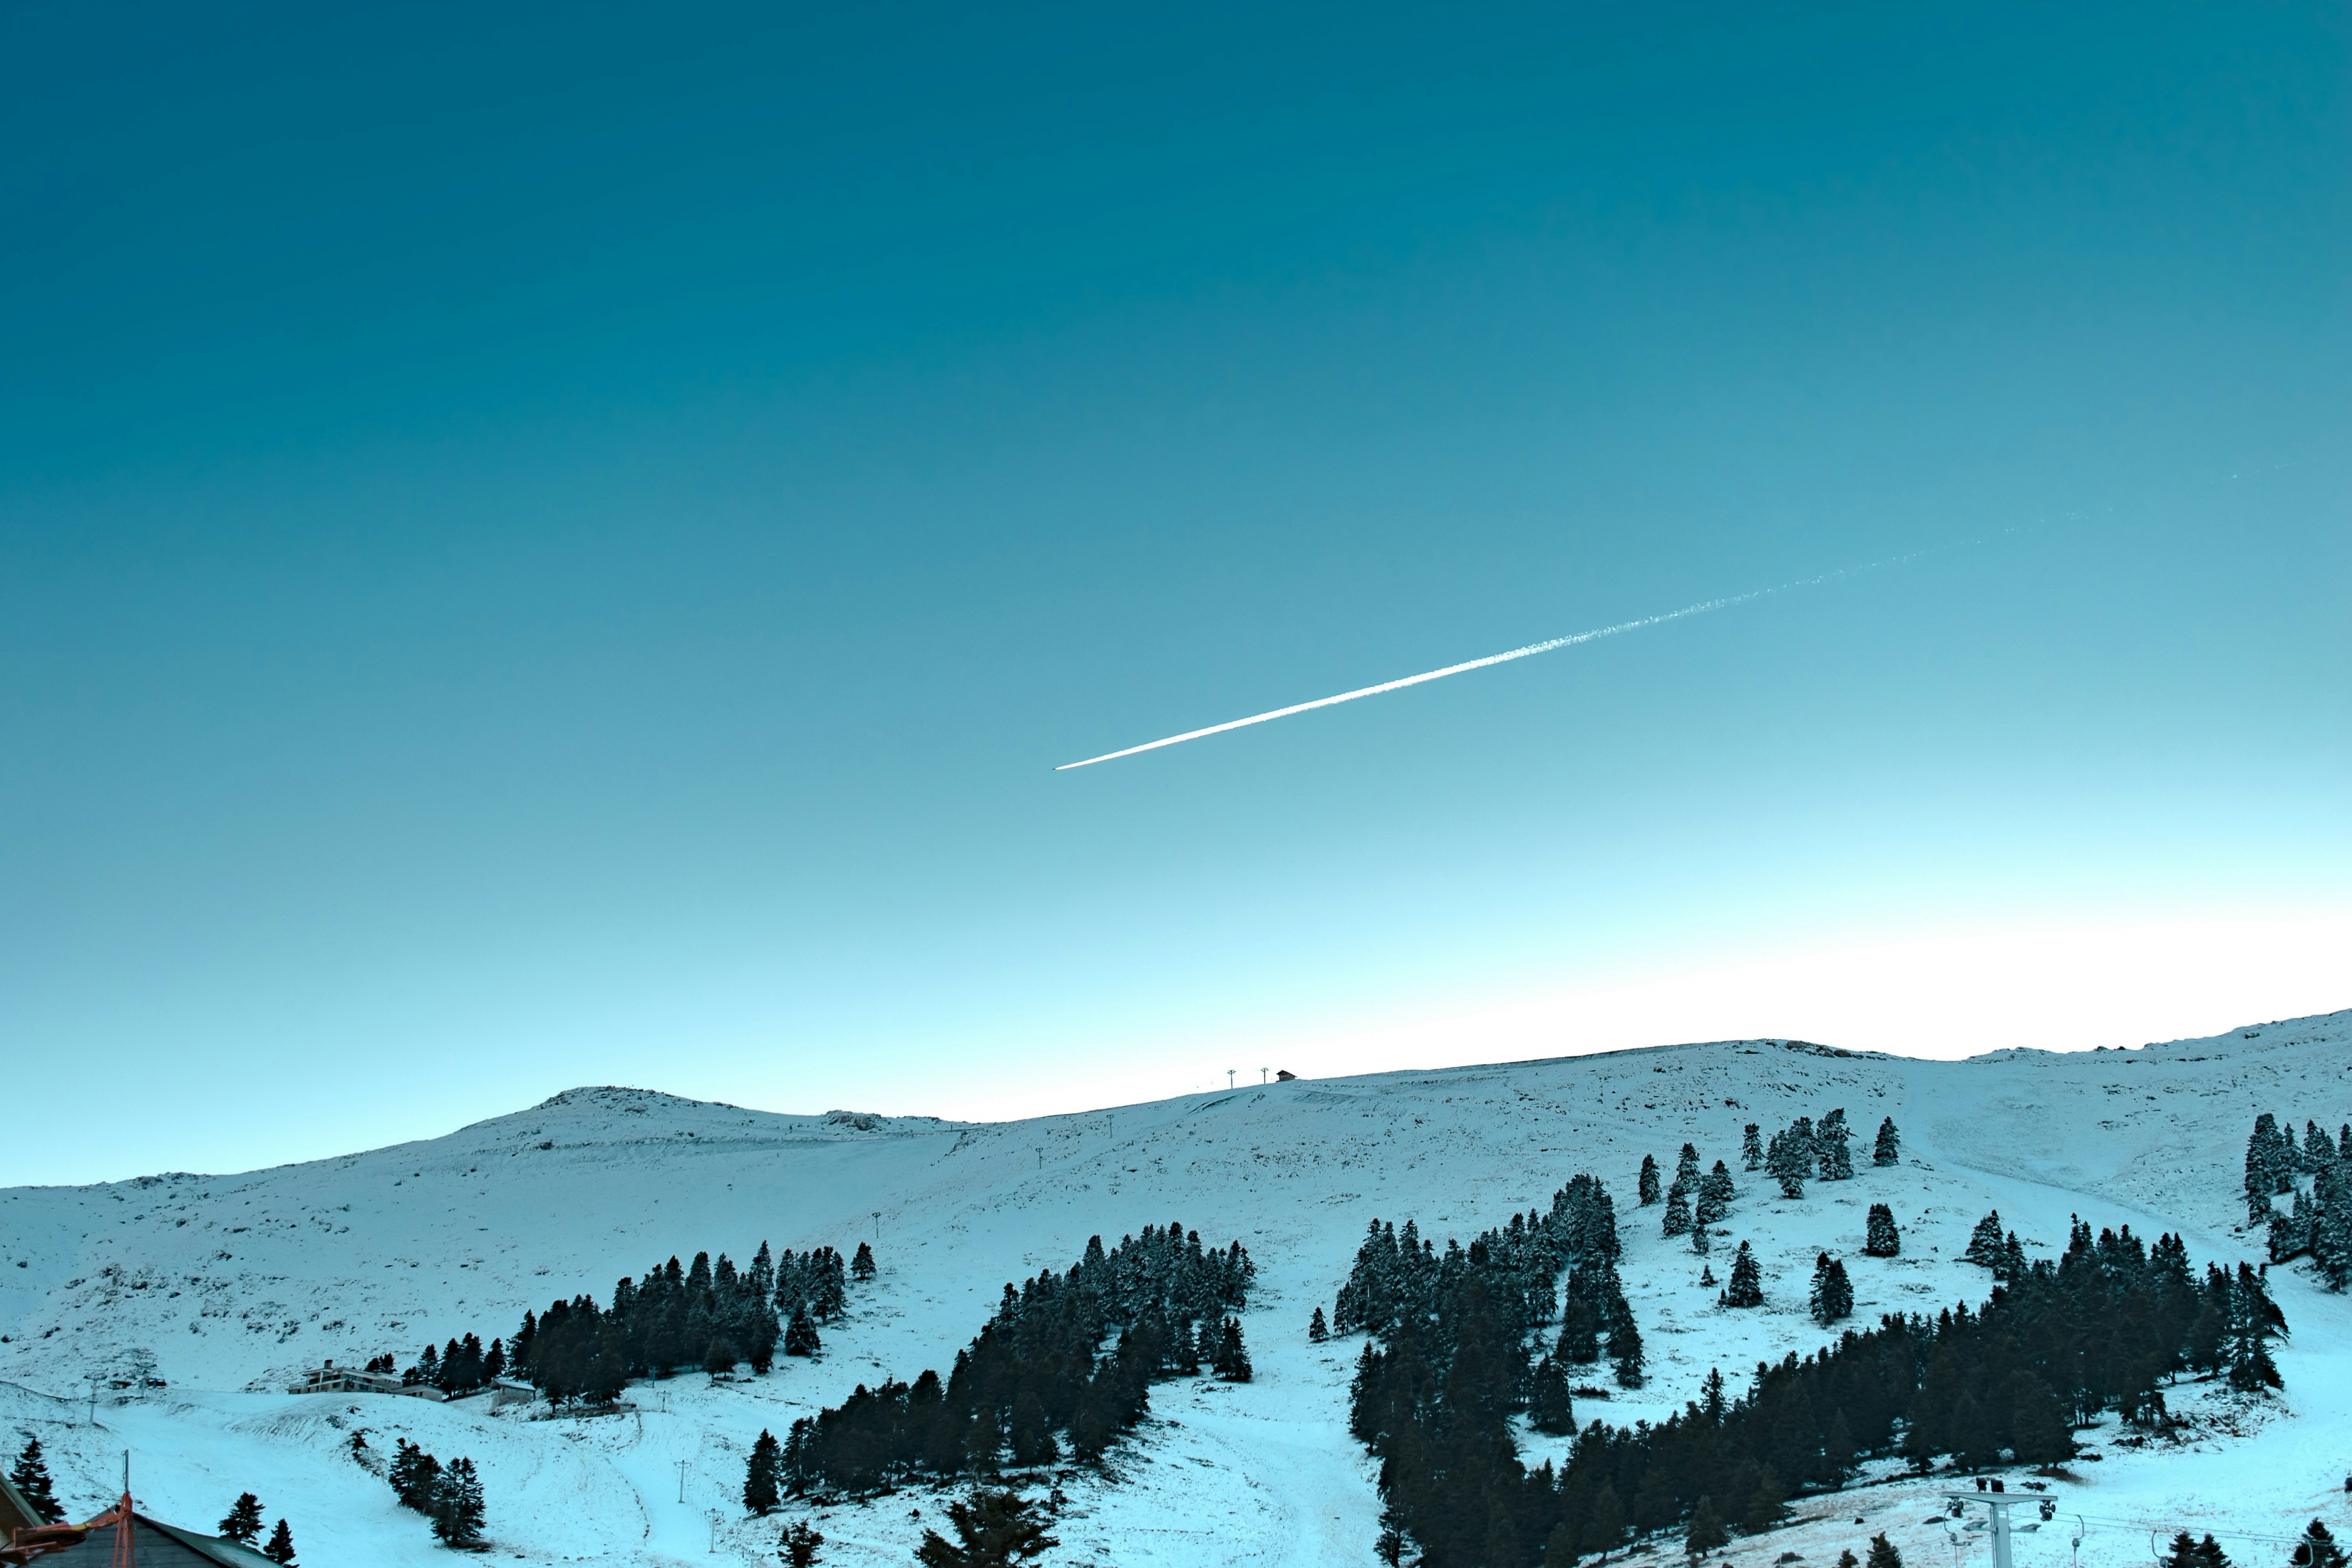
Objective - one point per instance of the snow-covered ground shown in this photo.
(234, 1284)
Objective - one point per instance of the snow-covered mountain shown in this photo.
(230, 1285)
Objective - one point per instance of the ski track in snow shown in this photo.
(237, 1282)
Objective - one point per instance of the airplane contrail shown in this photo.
(1531, 650)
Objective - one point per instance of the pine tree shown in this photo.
(1789, 1159)
(1550, 1407)
(1390, 1545)
(1316, 1330)
(862, 1265)
(2265, 1161)
(1835, 1159)
(1746, 1286)
(1880, 1238)
(799, 1546)
(1886, 1151)
(2211, 1556)
(1984, 1242)
(1678, 1215)
(2317, 1549)
(457, 1505)
(280, 1549)
(2183, 1553)
(31, 1475)
(1715, 1192)
(414, 1476)
(994, 1529)
(1751, 1146)
(1233, 1361)
(1647, 1185)
(800, 1335)
(1883, 1554)
(1706, 1532)
(1625, 1352)
(1832, 1296)
(244, 1521)
(760, 1473)
(1604, 1527)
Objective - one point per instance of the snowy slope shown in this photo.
(234, 1283)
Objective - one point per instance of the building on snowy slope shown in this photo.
(120, 1534)
(333, 1379)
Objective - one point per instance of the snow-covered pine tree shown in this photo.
(2318, 1149)
(1746, 1287)
(1678, 1215)
(800, 1337)
(1316, 1330)
(1888, 1150)
(1880, 1238)
(861, 1268)
(1716, 1190)
(243, 1524)
(2265, 1161)
(1883, 1554)
(1790, 1158)
(1686, 1167)
(1701, 1241)
(1984, 1242)
(2012, 1265)
(280, 1549)
(31, 1475)
(1751, 1146)
(1833, 1158)
(1646, 1185)
(2330, 1232)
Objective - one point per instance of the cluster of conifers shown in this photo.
(2317, 1221)
(2059, 1342)
(711, 1316)
(449, 1495)
(1038, 1375)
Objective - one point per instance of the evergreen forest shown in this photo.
(1043, 1371)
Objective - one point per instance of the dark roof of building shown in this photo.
(154, 1545)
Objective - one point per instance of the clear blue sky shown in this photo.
(562, 545)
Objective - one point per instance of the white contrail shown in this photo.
(1533, 647)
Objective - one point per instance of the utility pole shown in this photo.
(877, 1224)
(1261, 1074)
(1229, 1078)
(681, 1480)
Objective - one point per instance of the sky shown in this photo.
(565, 545)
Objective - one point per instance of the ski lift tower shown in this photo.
(1997, 1503)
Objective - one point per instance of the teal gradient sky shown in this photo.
(564, 546)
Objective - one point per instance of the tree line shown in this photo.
(1438, 1387)
(1038, 1375)
(711, 1316)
